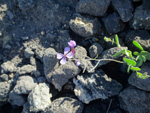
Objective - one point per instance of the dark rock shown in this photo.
(141, 83)
(3, 77)
(39, 98)
(69, 86)
(24, 85)
(137, 0)
(115, 111)
(95, 49)
(141, 36)
(8, 67)
(81, 56)
(26, 108)
(93, 7)
(63, 37)
(146, 5)
(15, 99)
(4, 91)
(124, 8)
(41, 79)
(25, 5)
(65, 105)
(55, 15)
(108, 54)
(37, 73)
(95, 86)
(26, 69)
(50, 62)
(10, 14)
(39, 54)
(28, 53)
(25, 38)
(85, 26)
(61, 75)
(112, 23)
(7, 46)
(71, 3)
(132, 98)
(95, 107)
(141, 19)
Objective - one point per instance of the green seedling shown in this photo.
(133, 62)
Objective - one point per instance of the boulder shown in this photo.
(24, 85)
(95, 49)
(50, 62)
(93, 7)
(61, 75)
(124, 9)
(4, 91)
(85, 26)
(95, 86)
(65, 105)
(131, 98)
(112, 23)
(142, 84)
(39, 98)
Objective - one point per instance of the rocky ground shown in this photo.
(32, 32)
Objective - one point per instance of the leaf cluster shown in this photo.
(135, 60)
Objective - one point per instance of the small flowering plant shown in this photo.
(68, 53)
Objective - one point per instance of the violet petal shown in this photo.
(59, 55)
(66, 50)
(72, 43)
(63, 60)
(69, 55)
(77, 63)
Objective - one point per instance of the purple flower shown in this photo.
(72, 44)
(63, 57)
(77, 63)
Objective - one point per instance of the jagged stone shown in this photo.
(95, 86)
(50, 62)
(65, 105)
(93, 7)
(24, 85)
(39, 98)
(61, 75)
(132, 98)
(85, 26)
(141, 83)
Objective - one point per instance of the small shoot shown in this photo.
(117, 40)
(138, 45)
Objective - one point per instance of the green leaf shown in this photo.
(130, 53)
(144, 58)
(119, 53)
(148, 57)
(145, 53)
(126, 53)
(138, 45)
(128, 69)
(136, 53)
(139, 61)
(135, 68)
(129, 61)
(117, 40)
(113, 41)
(142, 76)
(107, 39)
